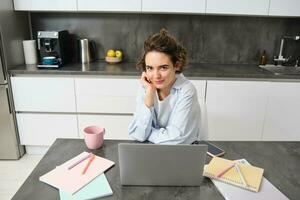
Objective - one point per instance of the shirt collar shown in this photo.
(180, 81)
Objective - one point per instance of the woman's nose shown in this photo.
(156, 74)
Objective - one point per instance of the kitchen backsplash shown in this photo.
(208, 39)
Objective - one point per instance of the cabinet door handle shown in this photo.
(8, 100)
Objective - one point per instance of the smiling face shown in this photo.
(160, 70)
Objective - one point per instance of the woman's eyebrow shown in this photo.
(164, 65)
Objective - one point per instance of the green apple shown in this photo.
(111, 53)
(119, 54)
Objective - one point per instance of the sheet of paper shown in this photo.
(72, 180)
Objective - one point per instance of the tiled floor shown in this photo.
(13, 174)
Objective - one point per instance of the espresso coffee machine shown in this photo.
(53, 48)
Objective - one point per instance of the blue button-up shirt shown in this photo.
(183, 126)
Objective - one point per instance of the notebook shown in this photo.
(267, 190)
(99, 187)
(72, 180)
(252, 175)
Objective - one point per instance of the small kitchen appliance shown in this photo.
(54, 44)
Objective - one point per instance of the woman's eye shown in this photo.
(148, 68)
(164, 68)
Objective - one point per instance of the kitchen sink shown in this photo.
(281, 70)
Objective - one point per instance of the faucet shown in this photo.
(280, 59)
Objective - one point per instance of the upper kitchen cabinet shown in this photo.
(238, 7)
(110, 6)
(175, 6)
(284, 8)
(46, 5)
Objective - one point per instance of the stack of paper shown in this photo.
(72, 180)
(99, 187)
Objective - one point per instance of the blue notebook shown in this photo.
(99, 187)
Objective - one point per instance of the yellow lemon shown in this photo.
(111, 53)
(119, 54)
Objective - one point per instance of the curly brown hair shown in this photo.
(165, 43)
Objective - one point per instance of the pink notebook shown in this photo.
(72, 180)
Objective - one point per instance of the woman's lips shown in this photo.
(159, 82)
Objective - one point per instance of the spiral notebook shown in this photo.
(267, 190)
(252, 175)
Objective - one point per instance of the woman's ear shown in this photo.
(177, 66)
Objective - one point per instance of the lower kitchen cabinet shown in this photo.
(43, 94)
(283, 112)
(201, 91)
(236, 109)
(43, 129)
(116, 126)
(106, 95)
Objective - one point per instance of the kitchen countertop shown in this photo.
(128, 70)
(280, 160)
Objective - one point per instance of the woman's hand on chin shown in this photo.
(145, 81)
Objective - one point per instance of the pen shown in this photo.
(225, 170)
(79, 161)
(88, 164)
(241, 175)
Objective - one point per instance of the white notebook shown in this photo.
(267, 190)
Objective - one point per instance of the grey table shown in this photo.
(281, 161)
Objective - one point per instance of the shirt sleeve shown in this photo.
(143, 118)
(183, 126)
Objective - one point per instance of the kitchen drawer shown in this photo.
(43, 129)
(116, 126)
(95, 95)
(43, 94)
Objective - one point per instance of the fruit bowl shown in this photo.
(113, 59)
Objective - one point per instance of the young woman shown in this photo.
(167, 110)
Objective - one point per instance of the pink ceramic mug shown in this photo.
(93, 136)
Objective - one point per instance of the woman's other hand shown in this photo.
(150, 90)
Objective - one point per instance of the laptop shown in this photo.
(161, 165)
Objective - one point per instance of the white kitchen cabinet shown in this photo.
(116, 126)
(46, 5)
(106, 95)
(110, 6)
(43, 94)
(175, 6)
(236, 109)
(42, 129)
(284, 8)
(283, 112)
(237, 7)
(201, 91)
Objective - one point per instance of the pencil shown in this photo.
(88, 164)
(225, 170)
(79, 161)
(241, 175)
